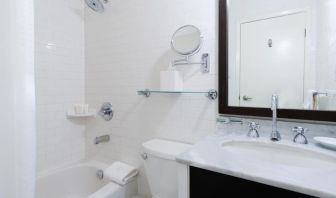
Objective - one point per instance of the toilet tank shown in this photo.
(161, 167)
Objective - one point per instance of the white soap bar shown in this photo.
(171, 81)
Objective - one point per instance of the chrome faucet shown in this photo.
(275, 135)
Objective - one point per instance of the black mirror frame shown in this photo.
(224, 108)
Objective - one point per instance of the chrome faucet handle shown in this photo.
(253, 130)
(300, 138)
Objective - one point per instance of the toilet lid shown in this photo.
(165, 149)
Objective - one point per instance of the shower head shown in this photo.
(96, 5)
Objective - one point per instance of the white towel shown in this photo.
(120, 173)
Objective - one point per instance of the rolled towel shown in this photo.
(120, 173)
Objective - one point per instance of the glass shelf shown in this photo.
(211, 94)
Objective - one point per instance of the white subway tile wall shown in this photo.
(60, 81)
(126, 48)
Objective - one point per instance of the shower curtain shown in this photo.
(17, 99)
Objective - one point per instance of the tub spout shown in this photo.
(101, 139)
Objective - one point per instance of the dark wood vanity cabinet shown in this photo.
(208, 184)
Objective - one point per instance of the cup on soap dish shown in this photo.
(81, 109)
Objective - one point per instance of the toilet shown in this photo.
(161, 167)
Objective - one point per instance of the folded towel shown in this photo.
(120, 173)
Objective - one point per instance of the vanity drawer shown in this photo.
(204, 183)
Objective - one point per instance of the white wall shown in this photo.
(60, 79)
(17, 99)
(126, 47)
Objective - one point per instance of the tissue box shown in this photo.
(171, 81)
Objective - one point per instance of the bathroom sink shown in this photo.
(306, 169)
(279, 154)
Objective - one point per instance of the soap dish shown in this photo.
(327, 142)
(71, 114)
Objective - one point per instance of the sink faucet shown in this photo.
(275, 135)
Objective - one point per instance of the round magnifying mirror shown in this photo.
(187, 40)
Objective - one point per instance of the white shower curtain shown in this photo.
(17, 99)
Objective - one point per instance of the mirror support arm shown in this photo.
(205, 64)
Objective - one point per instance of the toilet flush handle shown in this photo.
(144, 156)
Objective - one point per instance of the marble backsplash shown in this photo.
(224, 126)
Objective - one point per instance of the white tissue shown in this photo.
(120, 173)
(171, 81)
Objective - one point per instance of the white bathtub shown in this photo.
(77, 181)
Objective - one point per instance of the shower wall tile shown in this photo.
(60, 81)
(126, 48)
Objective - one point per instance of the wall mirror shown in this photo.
(282, 47)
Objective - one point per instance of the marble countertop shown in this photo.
(208, 154)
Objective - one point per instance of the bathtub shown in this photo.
(79, 181)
